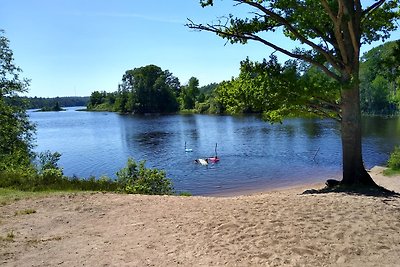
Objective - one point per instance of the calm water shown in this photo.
(254, 155)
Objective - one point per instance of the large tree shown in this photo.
(189, 93)
(150, 89)
(330, 33)
(15, 129)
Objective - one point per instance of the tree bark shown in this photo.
(354, 172)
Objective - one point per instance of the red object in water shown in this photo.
(213, 159)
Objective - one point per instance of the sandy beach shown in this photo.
(278, 228)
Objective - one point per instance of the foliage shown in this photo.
(16, 132)
(379, 76)
(331, 43)
(279, 91)
(391, 172)
(56, 107)
(146, 89)
(149, 89)
(133, 179)
(46, 175)
(394, 160)
(137, 179)
(209, 88)
(48, 160)
(185, 194)
(190, 93)
(49, 102)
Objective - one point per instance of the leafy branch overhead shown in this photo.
(330, 32)
(280, 90)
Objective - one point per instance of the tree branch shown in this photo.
(353, 30)
(322, 112)
(290, 27)
(249, 36)
(334, 106)
(372, 8)
(339, 33)
(329, 11)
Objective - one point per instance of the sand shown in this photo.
(279, 228)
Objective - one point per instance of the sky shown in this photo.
(74, 47)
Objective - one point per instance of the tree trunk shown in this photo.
(353, 168)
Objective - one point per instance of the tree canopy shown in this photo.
(280, 90)
(330, 32)
(149, 90)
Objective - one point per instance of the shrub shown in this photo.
(51, 176)
(47, 160)
(137, 179)
(185, 194)
(394, 160)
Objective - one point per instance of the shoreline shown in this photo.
(376, 172)
(264, 190)
(281, 227)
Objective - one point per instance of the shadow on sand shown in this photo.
(333, 186)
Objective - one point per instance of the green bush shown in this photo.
(394, 160)
(47, 160)
(137, 179)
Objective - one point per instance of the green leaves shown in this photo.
(394, 160)
(148, 89)
(330, 33)
(278, 91)
(379, 72)
(137, 179)
(190, 93)
(15, 129)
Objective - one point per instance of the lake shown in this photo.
(255, 155)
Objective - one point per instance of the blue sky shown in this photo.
(73, 47)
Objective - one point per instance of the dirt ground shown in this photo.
(279, 228)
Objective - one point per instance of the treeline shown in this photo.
(262, 87)
(150, 89)
(292, 89)
(380, 79)
(49, 102)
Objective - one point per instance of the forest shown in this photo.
(259, 87)
(49, 102)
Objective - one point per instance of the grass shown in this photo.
(185, 194)
(391, 172)
(25, 212)
(9, 237)
(8, 195)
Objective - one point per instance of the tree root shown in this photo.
(335, 186)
